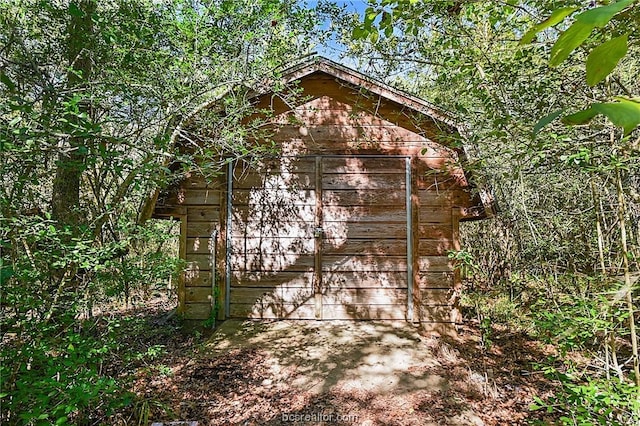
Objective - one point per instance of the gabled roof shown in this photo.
(415, 105)
(348, 75)
(357, 81)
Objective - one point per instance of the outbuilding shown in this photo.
(354, 218)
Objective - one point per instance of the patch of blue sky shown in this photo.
(332, 48)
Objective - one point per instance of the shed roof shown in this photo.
(355, 79)
(348, 75)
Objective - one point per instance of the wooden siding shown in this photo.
(201, 198)
(352, 124)
(274, 241)
(322, 231)
(272, 246)
(364, 200)
(341, 97)
(363, 252)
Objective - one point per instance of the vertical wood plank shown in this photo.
(410, 237)
(456, 315)
(319, 237)
(415, 206)
(221, 257)
(227, 246)
(182, 253)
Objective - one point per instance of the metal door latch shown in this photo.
(318, 232)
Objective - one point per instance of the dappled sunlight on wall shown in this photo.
(354, 218)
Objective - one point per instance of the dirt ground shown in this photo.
(386, 363)
(342, 372)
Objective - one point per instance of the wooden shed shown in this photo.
(353, 219)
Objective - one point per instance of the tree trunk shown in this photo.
(65, 198)
(596, 206)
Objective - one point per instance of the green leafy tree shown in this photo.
(91, 95)
(567, 190)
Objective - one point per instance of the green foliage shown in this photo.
(584, 24)
(464, 261)
(144, 407)
(578, 318)
(152, 353)
(38, 249)
(564, 193)
(603, 59)
(164, 370)
(590, 401)
(54, 377)
(462, 257)
(485, 333)
(547, 119)
(210, 322)
(468, 58)
(625, 113)
(52, 368)
(91, 94)
(579, 322)
(556, 17)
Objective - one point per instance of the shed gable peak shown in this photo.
(321, 88)
(346, 76)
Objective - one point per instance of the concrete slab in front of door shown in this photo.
(379, 357)
(371, 361)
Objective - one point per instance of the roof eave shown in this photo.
(351, 76)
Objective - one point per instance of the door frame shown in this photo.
(410, 179)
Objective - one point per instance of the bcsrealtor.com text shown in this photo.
(319, 417)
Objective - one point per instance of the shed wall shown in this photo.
(341, 168)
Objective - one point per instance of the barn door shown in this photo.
(322, 237)
(271, 243)
(363, 265)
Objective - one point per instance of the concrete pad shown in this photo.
(379, 357)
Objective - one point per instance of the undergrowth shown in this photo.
(585, 321)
